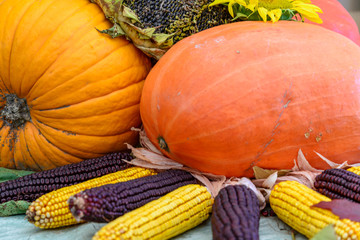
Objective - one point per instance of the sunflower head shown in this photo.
(273, 10)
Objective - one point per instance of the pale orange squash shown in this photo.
(68, 92)
(253, 94)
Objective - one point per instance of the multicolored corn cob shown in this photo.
(292, 202)
(51, 210)
(236, 214)
(166, 217)
(30, 187)
(107, 202)
(338, 184)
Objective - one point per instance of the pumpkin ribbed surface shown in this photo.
(252, 94)
(68, 92)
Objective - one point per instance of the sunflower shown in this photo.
(273, 10)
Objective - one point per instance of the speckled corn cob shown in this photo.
(236, 214)
(107, 202)
(51, 210)
(166, 217)
(292, 201)
(30, 187)
(338, 184)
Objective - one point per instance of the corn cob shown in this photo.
(51, 210)
(32, 186)
(107, 202)
(166, 217)
(236, 214)
(338, 184)
(355, 170)
(292, 201)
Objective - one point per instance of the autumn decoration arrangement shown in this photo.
(153, 116)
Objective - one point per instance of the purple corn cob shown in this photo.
(338, 184)
(32, 186)
(105, 203)
(236, 214)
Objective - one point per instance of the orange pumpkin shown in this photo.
(336, 18)
(252, 94)
(68, 92)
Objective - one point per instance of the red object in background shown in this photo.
(336, 18)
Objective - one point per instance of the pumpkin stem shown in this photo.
(16, 111)
(162, 144)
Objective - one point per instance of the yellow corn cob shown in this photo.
(355, 170)
(166, 217)
(292, 202)
(51, 210)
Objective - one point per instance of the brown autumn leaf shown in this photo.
(262, 173)
(343, 208)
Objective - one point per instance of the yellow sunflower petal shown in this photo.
(307, 6)
(241, 2)
(263, 13)
(230, 7)
(271, 15)
(217, 2)
(312, 17)
(277, 13)
(252, 5)
(308, 11)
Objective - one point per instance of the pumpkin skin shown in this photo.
(80, 89)
(336, 18)
(252, 94)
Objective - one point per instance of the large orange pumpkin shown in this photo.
(68, 92)
(252, 94)
(336, 18)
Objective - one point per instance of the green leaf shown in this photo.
(13, 208)
(161, 38)
(327, 233)
(149, 32)
(10, 174)
(127, 12)
(114, 31)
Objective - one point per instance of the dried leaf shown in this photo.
(270, 181)
(261, 173)
(145, 141)
(331, 163)
(152, 157)
(214, 185)
(303, 164)
(342, 208)
(327, 233)
(247, 182)
(304, 177)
